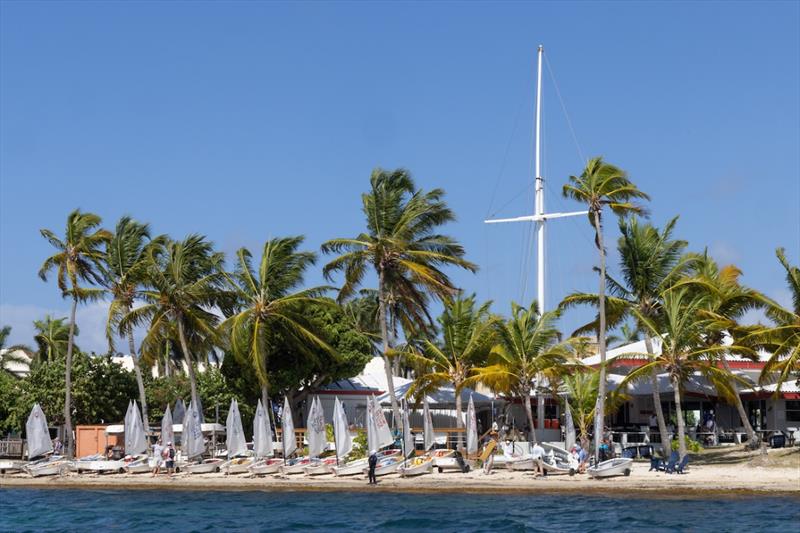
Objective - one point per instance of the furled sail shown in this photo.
(167, 435)
(472, 428)
(287, 427)
(427, 425)
(192, 442)
(236, 443)
(344, 443)
(37, 434)
(315, 429)
(262, 433)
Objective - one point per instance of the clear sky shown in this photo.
(248, 120)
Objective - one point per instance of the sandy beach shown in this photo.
(712, 473)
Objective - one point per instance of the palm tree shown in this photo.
(9, 355)
(602, 184)
(75, 262)
(682, 327)
(402, 247)
(124, 271)
(650, 262)
(52, 339)
(468, 335)
(271, 302)
(726, 304)
(527, 347)
(183, 282)
(783, 338)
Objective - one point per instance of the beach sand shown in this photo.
(725, 472)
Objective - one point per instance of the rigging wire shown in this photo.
(564, 108)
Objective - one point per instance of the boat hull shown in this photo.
(52, 468)
(99, 467)
(320, 468)
(521, 464)
(389, 467)
(409, 468)
(612, 467)
(206, 467)
(9, 467)
(237, 466)
(262, 468)
(295, 468)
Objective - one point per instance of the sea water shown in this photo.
(176, 511)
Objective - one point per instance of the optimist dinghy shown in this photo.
(416, 466)
(296, 465)
(208, 466)
(237, 465)
(621, 466)
(357, 466)
(319, 467)
(452, 460)
(387, 465)
(55, 465)
(139, 466)
(10, 467)
(265, 466)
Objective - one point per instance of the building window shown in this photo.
(793, 410)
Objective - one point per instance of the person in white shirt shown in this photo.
(538, 459)
(156, 460)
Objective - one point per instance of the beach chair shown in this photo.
(673, 460)
(681, 468)
(673, 463)
(655, 464)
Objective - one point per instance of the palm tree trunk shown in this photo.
(386, 363)
(459, 419)
(526, 401)
(601, 341)
(662, 424)
(68, 442)
(752, 438)
(139, 381)
(190, 367)
(679, 415)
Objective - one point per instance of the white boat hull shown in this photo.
(612, 467)
(99, 466)
(51, 468)
(8, 467)
(451, 463)
(295, 468)
(350, 469)
(269, 466)
(446, 457)
(320, 468)
(521, 464)
(387, 468)
(206, 467)
(408, 468)
(139, 467)
(238, 466)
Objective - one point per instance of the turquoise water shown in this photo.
(173, 511)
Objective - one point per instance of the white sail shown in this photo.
(236, 443)
(135, 438)
(427, 429)
(378, 433)
(408, 437)
(167, 434)
(192, 442)
(315, 429)
(37, 434)
(570, 430)
(262, 433)
(472, 428)
(344, 443)
(287, 427)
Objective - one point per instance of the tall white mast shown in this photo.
(539, 217)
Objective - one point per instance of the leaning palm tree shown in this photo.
(468, 335)
(727, 302)
(650, 262)
(527, 347)
(9, 355)
(76, 264)
(682, 327)
(183, 283)
(402, 246)
(603, 185)
(783, 338)
(124, 271)
(270, 303)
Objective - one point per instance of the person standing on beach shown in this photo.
(373, 462)
(170, 449)
(156, 461)
(538, 459)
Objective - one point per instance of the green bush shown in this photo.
(691, 445)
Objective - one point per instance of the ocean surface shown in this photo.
(175, 511)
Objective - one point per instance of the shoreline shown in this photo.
(707, 481)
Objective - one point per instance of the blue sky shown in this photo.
(248, 120)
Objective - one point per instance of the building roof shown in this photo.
(443, 397)
(371, 380)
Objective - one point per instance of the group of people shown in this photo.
(163, 457)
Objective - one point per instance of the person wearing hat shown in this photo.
(170, 458)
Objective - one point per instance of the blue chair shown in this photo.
(655, 463)
(680, 469)
(673, 460)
